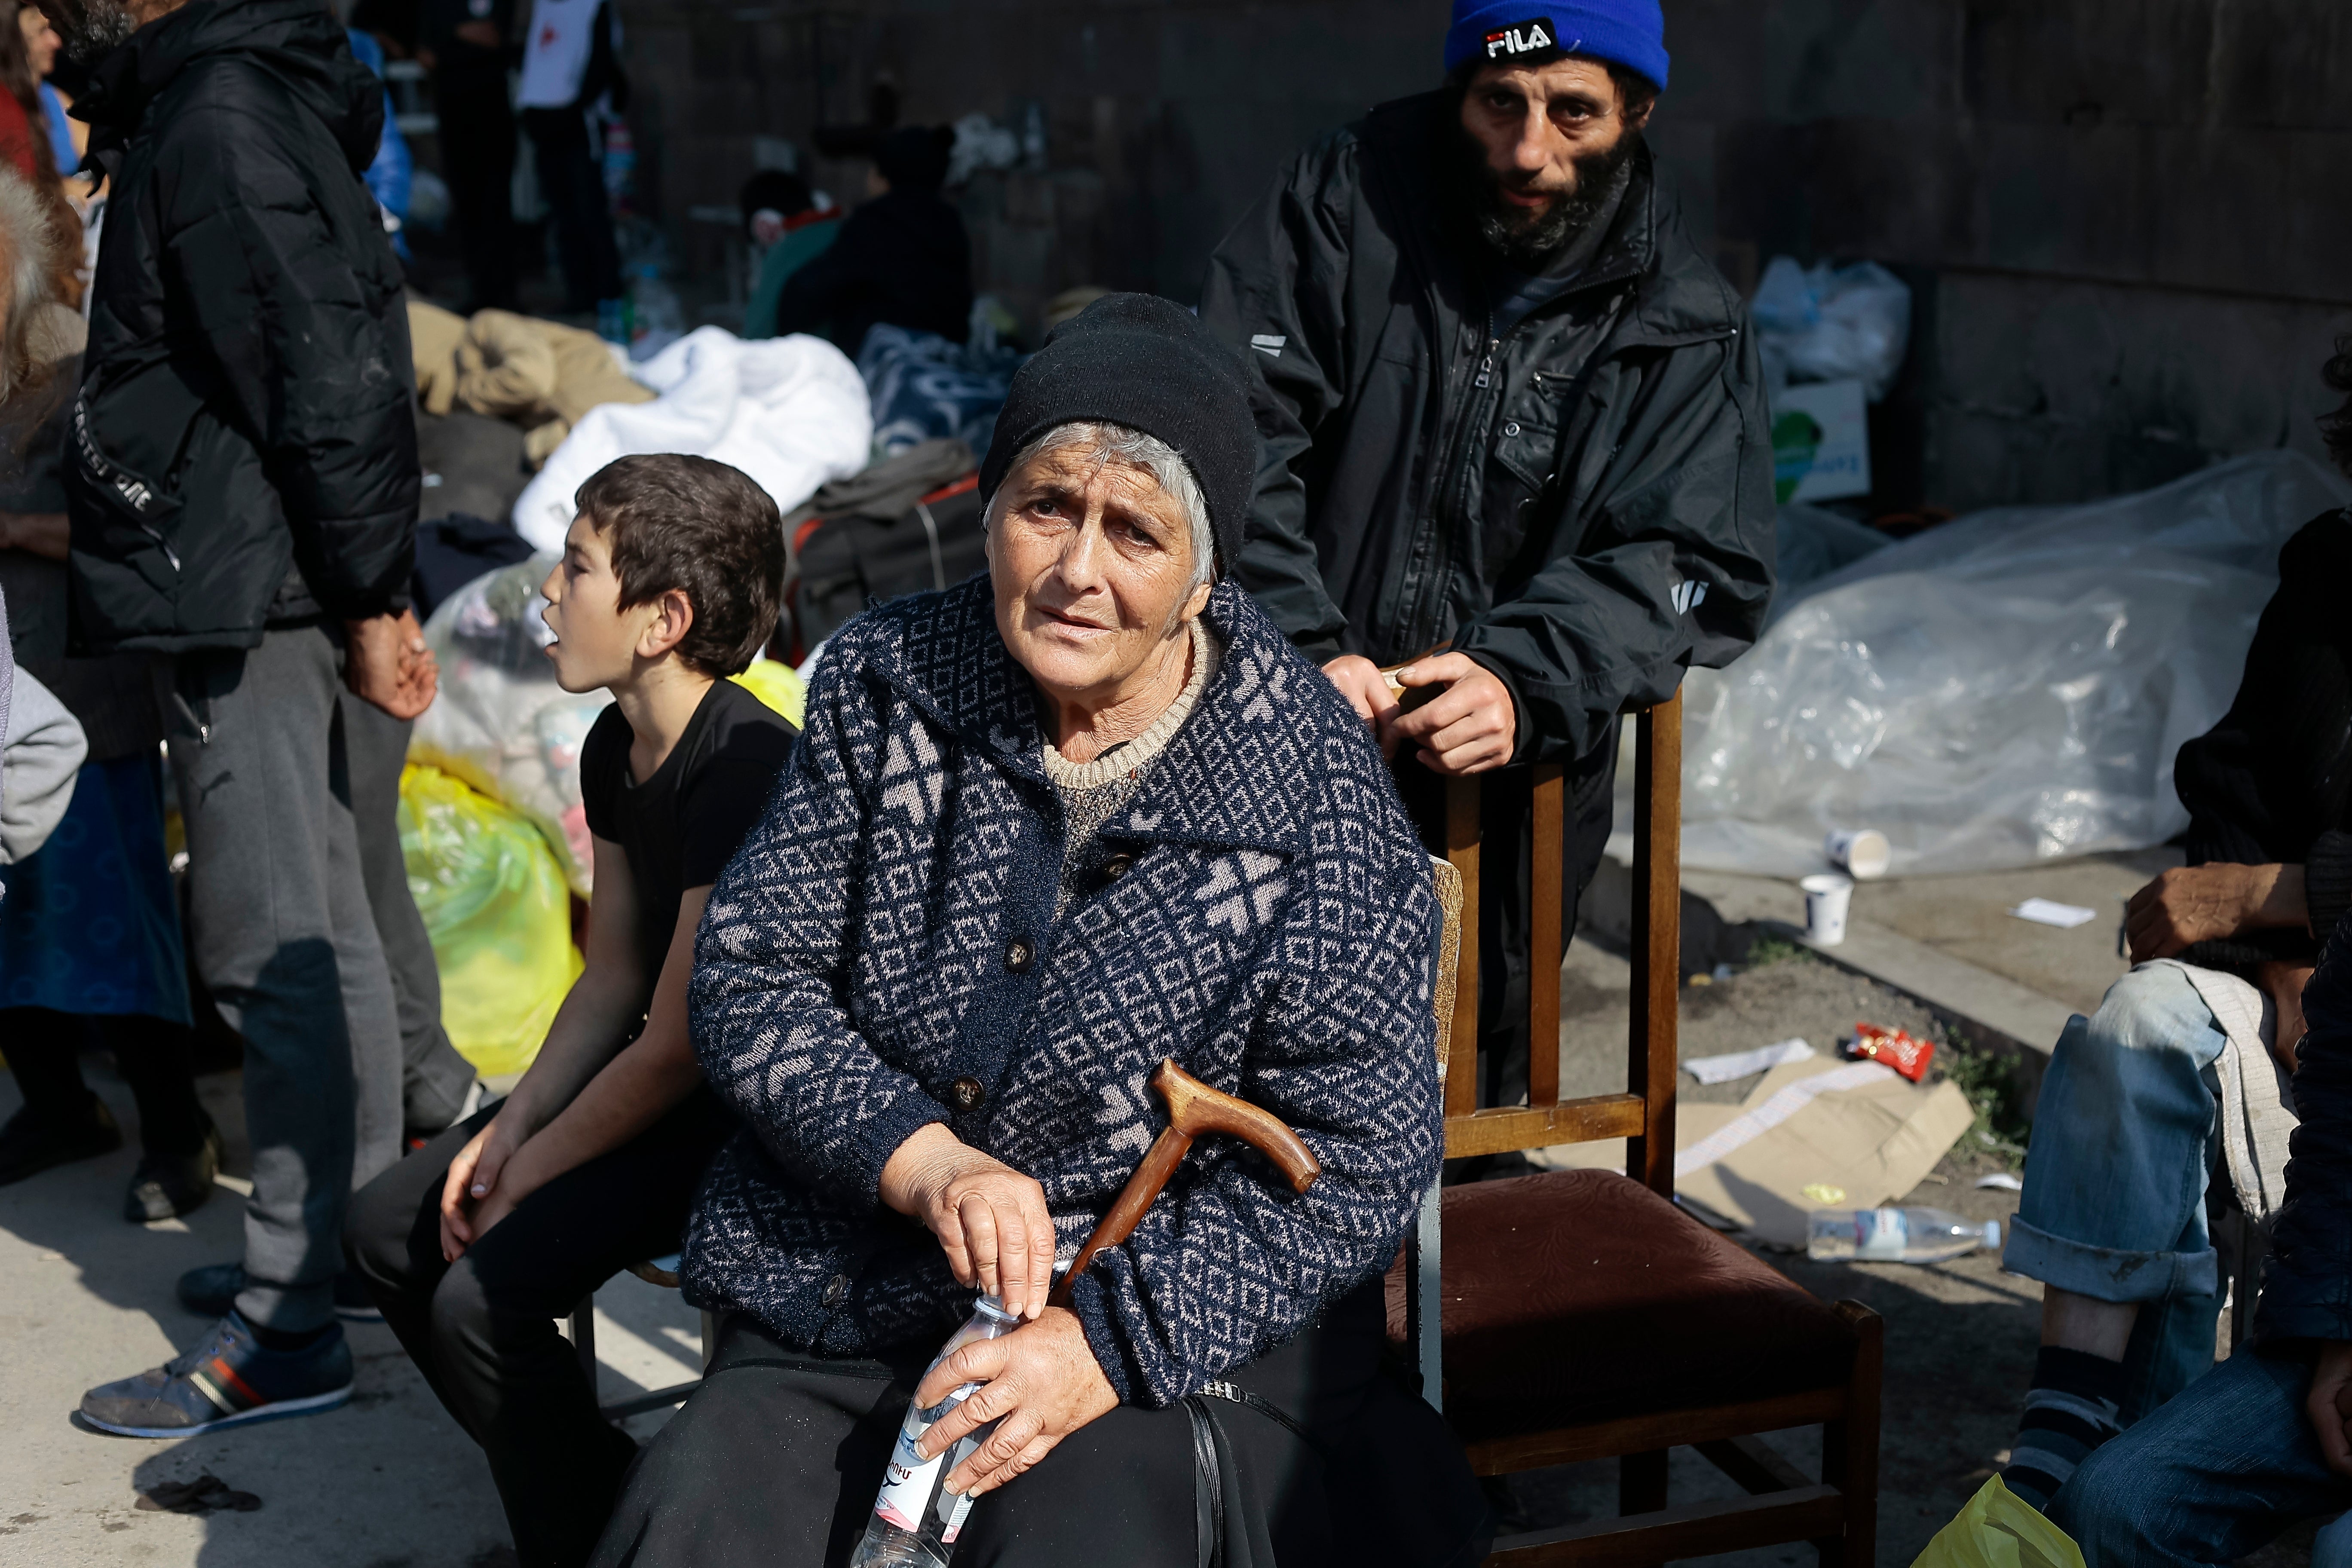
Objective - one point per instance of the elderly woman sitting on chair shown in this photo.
(1042, 830)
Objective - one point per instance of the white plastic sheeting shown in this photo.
(1833, 324)
(789, 411)
(2008, 688)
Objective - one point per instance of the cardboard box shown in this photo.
(1822, 1148)
(1820, 441)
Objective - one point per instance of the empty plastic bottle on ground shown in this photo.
(1894, 1235)
(915, 1522)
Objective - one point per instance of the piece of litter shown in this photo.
(1784, 1103)
(2004, 1180)
(2050, 913)
(1742, 1064)
(206, 1494)
(1828, 1193)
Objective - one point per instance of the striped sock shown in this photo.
(2070, 1410)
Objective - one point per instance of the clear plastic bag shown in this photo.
(1833, 323)
(501, 724)
(2008, 688)
(498, 912)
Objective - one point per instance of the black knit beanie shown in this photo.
(1142, 362)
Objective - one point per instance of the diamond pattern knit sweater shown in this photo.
(890, 930)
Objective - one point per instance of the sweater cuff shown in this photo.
(883, 1134)
(2328, 881)
(1089, 1300)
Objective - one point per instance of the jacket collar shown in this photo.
(945, 657)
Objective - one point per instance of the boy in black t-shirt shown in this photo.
(474, 1245)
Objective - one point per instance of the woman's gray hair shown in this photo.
(29, 240)
(1106, 442)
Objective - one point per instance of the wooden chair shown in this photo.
(661, 1271)
(1575, 1315)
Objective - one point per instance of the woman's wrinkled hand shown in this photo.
(990, 1219)
(1040, 1383)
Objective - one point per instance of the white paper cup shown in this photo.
(1862, 851)
(1826, 897)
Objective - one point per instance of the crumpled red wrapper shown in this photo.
(1903, 1052)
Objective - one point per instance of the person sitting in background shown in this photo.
(89, 932)
(788, 230)
(2266, 1439)
(474, 1245)
(902, 257)
(2112, 1218)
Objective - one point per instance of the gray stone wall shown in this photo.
(2126, 219)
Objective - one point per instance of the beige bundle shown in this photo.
(539, 375)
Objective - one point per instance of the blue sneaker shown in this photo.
(230, 1379)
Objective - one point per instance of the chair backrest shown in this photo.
(1644, 1113)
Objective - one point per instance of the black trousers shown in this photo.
(477, 157)
(483, 1331)
(152, 1054)
(775, 1460)
(574, 187)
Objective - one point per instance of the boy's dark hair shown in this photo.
(698, 525)
(2338, 426)
(1635, 92)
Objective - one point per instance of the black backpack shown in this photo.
(846, 560)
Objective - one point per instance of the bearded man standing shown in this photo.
(1507, 410)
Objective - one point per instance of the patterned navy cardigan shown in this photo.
(1261, 911)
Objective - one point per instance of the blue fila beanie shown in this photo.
(1629, 33)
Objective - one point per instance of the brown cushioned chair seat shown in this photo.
(1580, 1295)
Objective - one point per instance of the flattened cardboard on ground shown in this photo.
(1871, 1145)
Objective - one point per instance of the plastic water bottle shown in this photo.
(916, 1521)
(1894, 1235)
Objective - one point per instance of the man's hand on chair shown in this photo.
(1470, 727)
(1041, 1379)
(2190, 904)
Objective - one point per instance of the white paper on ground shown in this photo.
(2050, 913)
(1739, 1064)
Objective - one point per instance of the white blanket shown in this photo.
(789, 411)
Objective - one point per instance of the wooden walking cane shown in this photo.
(1194, 1111)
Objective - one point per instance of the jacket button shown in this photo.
(1511, 429)
(967, 1093)
(836, 1290)
(1019, 955)
(1118, 866)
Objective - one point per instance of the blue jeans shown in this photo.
(2113, 1206)
(2214, 1476)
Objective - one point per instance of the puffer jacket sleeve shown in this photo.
(311, 368)
(1672, 567)
(774, 956)
(2307, 1281)
(1230, 1263)
(1277, 289)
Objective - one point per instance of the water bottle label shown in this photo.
(1880, 1235)
(909, 1479)
(955, 1518)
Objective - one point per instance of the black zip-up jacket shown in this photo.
(2271, 783)
(1585, 507)
(244, 449)
(2307, 1279)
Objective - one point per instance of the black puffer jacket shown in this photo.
(1584, 507)
(2271, 783)
(244, 450)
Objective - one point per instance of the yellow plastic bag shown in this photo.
(498, 912)
(1999, 1530)
(778, 686)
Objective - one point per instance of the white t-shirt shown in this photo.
(555, 56)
